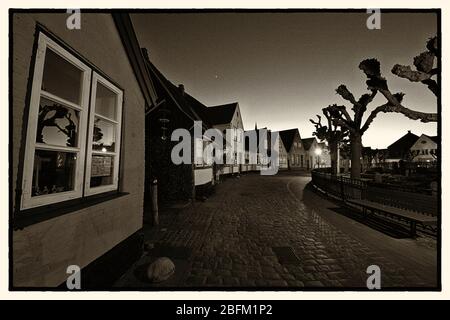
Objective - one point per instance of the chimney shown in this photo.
(409, 131)
(181, 88)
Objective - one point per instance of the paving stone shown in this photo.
(231, 281)
(229, 240)
(195, 281)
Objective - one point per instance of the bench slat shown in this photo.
(410, 215)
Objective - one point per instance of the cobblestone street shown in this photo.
(269, 231)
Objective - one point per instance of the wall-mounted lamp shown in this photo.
(163, 118)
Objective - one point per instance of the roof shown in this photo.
(185, 102)
(221, 114)
(287, 136)
(132, 48)
(400, 147)
(308, 142)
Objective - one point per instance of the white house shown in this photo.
(223, 117)
(425, 149)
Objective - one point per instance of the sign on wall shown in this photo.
(101, 166)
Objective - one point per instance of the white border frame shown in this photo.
(27, 201)
(116, 154)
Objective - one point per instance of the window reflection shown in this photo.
(57, 125)
(105, 102)
(53, 172)
(61, 78)
(104, 138)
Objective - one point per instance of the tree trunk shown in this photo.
(356, 147)
(334, 157)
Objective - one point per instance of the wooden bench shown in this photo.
(401, 214)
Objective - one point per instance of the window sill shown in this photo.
(25, 218)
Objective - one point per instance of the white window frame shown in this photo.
(27, 201)
(96, 78)
(83, 150)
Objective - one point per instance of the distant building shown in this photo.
(399, 150)
(223, 117)
(425, 149)
(283, 154)
(263, 155)
(312, 156)
(295, 152)
(325, 156)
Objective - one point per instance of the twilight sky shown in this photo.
(283, 68)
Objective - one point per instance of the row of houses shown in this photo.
(418, 150)
(91, 129)
(176, 108)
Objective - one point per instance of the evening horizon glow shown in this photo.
(283, 68)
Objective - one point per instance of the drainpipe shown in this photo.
(155, 202)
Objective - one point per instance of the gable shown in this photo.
(237, 118)
(289, 137)
(222, 114)
(424, 142)
(402, 145)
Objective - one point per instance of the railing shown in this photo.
(346, 188)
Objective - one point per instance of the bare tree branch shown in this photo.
(406, 73)
(371, 67)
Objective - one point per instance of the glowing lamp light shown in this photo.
(103, 149)
(318, 151)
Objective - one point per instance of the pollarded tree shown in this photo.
(424, 73)
(425, 67)
(333, 134)
(354, 124)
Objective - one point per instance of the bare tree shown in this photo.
(341, 117)
(424, 64)
(425, 67)
(424, 73)
(333, 134)
(48, 116)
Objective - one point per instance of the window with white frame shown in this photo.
(73, 135)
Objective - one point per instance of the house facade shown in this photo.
(294, 148)
(425, 149)
(77, 148)
(312, 157)
(399, 150)
(283, 155)
(324, 156)
(224, 117)
(177, 182)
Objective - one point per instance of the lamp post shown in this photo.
(318, 152)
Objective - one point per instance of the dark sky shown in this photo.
(283, 68)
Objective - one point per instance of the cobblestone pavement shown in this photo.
(232, 240)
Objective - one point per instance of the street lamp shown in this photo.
(318, 152)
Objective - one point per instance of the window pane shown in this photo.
(53, 172)
(57, 124)
(102, 170)
(61, 78)
(104, 137)
(105, 102)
